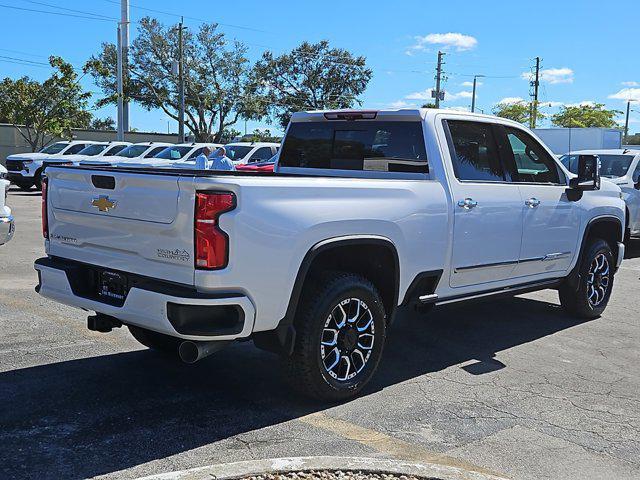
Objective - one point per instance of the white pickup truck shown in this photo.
(368, 211)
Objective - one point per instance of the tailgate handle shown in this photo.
(103, 181)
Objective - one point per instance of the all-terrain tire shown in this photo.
(154, 340)
(333, 299)
(596, 272)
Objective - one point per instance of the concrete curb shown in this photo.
(228, 471)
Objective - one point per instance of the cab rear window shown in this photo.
(355, 145)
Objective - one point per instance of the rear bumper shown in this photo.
(7, 227)
(191, 316)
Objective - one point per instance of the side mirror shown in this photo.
(588, 174)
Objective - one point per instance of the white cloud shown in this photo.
(584, 103)
(552, 75)
(424, 95)
(470, 84)
(630, 84)
(627, 94)
(510, 101)
(459, 109)
(456, 96)
(458, 41)
(401, 104)
(551, 104)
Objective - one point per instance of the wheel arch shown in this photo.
(607, 227)
(369, 255)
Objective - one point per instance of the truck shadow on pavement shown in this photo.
(633, 249)
(99, 415)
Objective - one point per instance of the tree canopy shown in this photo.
(41, 111)
(313, 76)
(217, 74)
(585, 115)
(518, 112)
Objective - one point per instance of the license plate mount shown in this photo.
(112, 286)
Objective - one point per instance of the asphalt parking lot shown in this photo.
(512, 387)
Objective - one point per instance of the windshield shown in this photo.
(237, 152)
(133, 151)
(55, 148)
(173, 153)
(611, 166)
(92, 150)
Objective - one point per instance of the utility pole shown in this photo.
(124, 42)
(438, 94)
(626, 121)
(181, 137)
(120, 131)
(534, 105)
(473, 95)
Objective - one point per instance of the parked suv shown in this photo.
(25, 169)
(97, 151)
(133, 153)
(242, 153)
(622, 167)
(367, 212)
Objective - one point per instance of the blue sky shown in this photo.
(588, 50)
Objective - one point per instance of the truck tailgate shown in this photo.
(133, 222)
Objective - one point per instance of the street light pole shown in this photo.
(120, 131)
(181, 137)
(473, 95)
(124, 47)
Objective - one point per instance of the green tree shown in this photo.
(262, 136)
(518, 112)
(586, 115)
(429, 105)
(107, 123)
(229, 135)
(217, 77)
(42, 111)
(312, 76)
(633, 139)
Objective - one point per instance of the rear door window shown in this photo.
(474, 151)
(355, 145)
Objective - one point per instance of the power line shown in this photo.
(70, 10)
(60, 14)
(153, 10)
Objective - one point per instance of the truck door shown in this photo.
(487, 228)
(551, 222)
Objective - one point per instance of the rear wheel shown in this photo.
(340, 336)
(154, 340)
(594, 285)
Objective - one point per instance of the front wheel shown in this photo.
(340, 336)
(24, 186)
(595, 282)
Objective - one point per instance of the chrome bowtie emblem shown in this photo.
(103, 203)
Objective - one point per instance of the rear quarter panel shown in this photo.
(279, 219)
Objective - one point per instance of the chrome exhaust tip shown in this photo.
(190, 351)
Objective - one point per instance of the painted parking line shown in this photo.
(387, 445)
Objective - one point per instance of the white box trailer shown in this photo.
(563, 140)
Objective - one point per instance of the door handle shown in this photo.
(467, 203)
(532, 202)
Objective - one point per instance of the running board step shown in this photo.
(507, 291)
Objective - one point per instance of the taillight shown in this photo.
(211, 243)
(45, 219)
